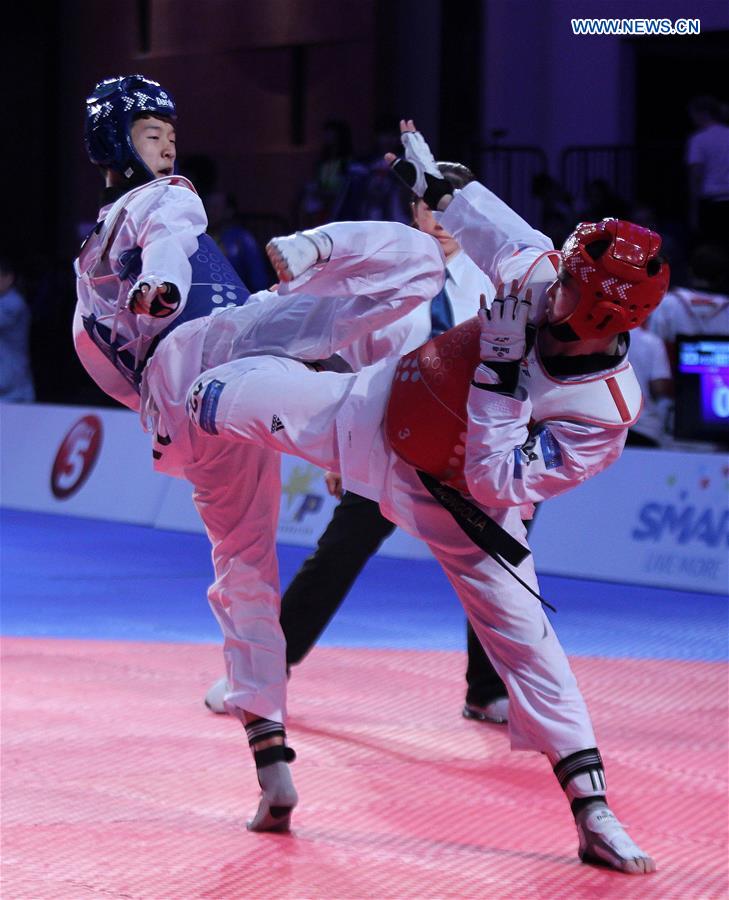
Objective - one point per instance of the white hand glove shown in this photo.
(503, 327)
(418, 169)
(151, 296)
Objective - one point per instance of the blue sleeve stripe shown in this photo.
(209, 406)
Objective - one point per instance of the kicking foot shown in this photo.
(278, 799)
(497, 711)
(293, 255)
(604, 842)
(215, 697)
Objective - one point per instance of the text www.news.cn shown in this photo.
(627, 27)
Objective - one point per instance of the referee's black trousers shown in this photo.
(354, 533)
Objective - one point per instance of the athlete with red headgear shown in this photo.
(582, 393)
(459, 438)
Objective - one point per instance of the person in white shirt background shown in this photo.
(702, 307)
(707, 158)
(649, 359)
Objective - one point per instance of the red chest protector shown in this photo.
(426, 419)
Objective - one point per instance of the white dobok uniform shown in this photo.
(336, 421)
(159, 229)
(465, 283)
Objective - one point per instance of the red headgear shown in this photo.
(619, 289)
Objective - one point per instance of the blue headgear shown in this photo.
(110, 111)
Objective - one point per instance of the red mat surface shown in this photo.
(118, 783)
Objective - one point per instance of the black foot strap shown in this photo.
(271, 755)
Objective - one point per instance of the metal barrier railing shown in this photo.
(509, 171)
(615, 164)
(651, 173)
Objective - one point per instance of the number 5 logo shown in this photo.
(76, 457)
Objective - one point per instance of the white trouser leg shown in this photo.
(546, 709)
(273, 402)
(236, 493)
(378, 272)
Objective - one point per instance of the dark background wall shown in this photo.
(255, 80)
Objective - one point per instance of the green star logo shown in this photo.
(299, 482)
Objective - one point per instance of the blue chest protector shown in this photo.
(215, 284)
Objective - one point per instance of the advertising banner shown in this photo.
(307, 507)
(77, 461)
(655, 517)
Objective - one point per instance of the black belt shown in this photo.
(481, 529)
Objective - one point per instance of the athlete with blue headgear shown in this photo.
(147, 268)
(118, 112)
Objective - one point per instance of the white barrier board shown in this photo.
(97, 463)
(78, 461)
(655, 517)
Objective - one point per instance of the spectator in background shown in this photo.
(700, 308)
(225, 225)
(707, 158)
(374, 195)
(558, 212)
(649, 360)
(323, 196)
(602, 202)
(16, 380)
(236, 241)
(49, 290)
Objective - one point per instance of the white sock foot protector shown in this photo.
(604, 841)
(278, 798)
(496, 711)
